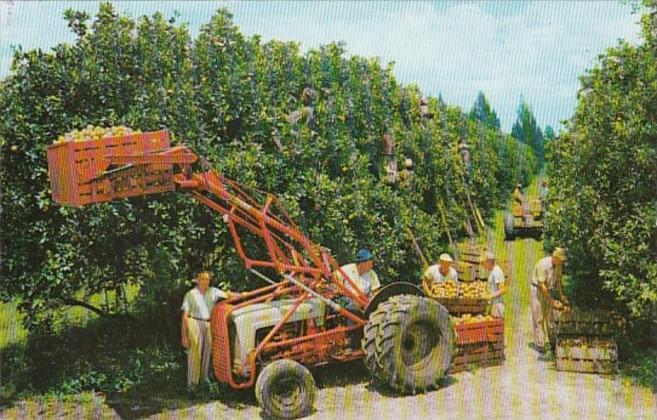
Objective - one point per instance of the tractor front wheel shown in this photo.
(285, 389)
(413, 345)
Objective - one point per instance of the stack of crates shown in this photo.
(467, 271)
(468, 264)
(478, 344)
(585, 341)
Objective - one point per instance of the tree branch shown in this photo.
(75, 302)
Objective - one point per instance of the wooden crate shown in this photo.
(480, 332)
(586, 354)
(470, 253)
(470, 361)
(536, 207)
(73, 168)
(478, 345)
(467, 271)
(586, 323)
(457, 306)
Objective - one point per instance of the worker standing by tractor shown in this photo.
(546, 283)
(195, 328)
(439, 273)
(495, 285)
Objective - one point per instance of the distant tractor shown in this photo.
(525, 220)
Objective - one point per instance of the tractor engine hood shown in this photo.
(248, 320)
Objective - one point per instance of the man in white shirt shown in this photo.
(195, 328)
(546, 277)
(361, 273)
(495, 285)
(439, 273)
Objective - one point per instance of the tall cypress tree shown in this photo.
(482, 111)
(527, 131)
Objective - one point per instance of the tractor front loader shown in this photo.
(268, 337)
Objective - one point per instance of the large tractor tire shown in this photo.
(509, 235)
(285, 389)
(370, 331)
(413, 343)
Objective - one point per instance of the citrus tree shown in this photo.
(306, 126)
(603, 172)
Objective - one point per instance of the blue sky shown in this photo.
(507, 49)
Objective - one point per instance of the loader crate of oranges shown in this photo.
(80, 172)
(460, 298)
(479, 342)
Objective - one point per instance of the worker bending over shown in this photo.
(545, 279)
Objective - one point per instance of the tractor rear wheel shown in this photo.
(285, 389)
(508, 227)
(414, 343)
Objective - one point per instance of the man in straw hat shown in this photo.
(546, 278)
(495, 285)
(439, 273)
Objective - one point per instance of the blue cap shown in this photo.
(363, 255)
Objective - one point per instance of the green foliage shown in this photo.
(527, 131)
(642, 367)
(483, 112)
(604, 180)
(229, 98)
(106, 355)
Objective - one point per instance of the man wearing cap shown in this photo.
(495, 285)
(361, 274)
(439, 273)
(195, 328)
(546, 277)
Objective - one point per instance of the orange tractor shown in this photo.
(268, 337)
